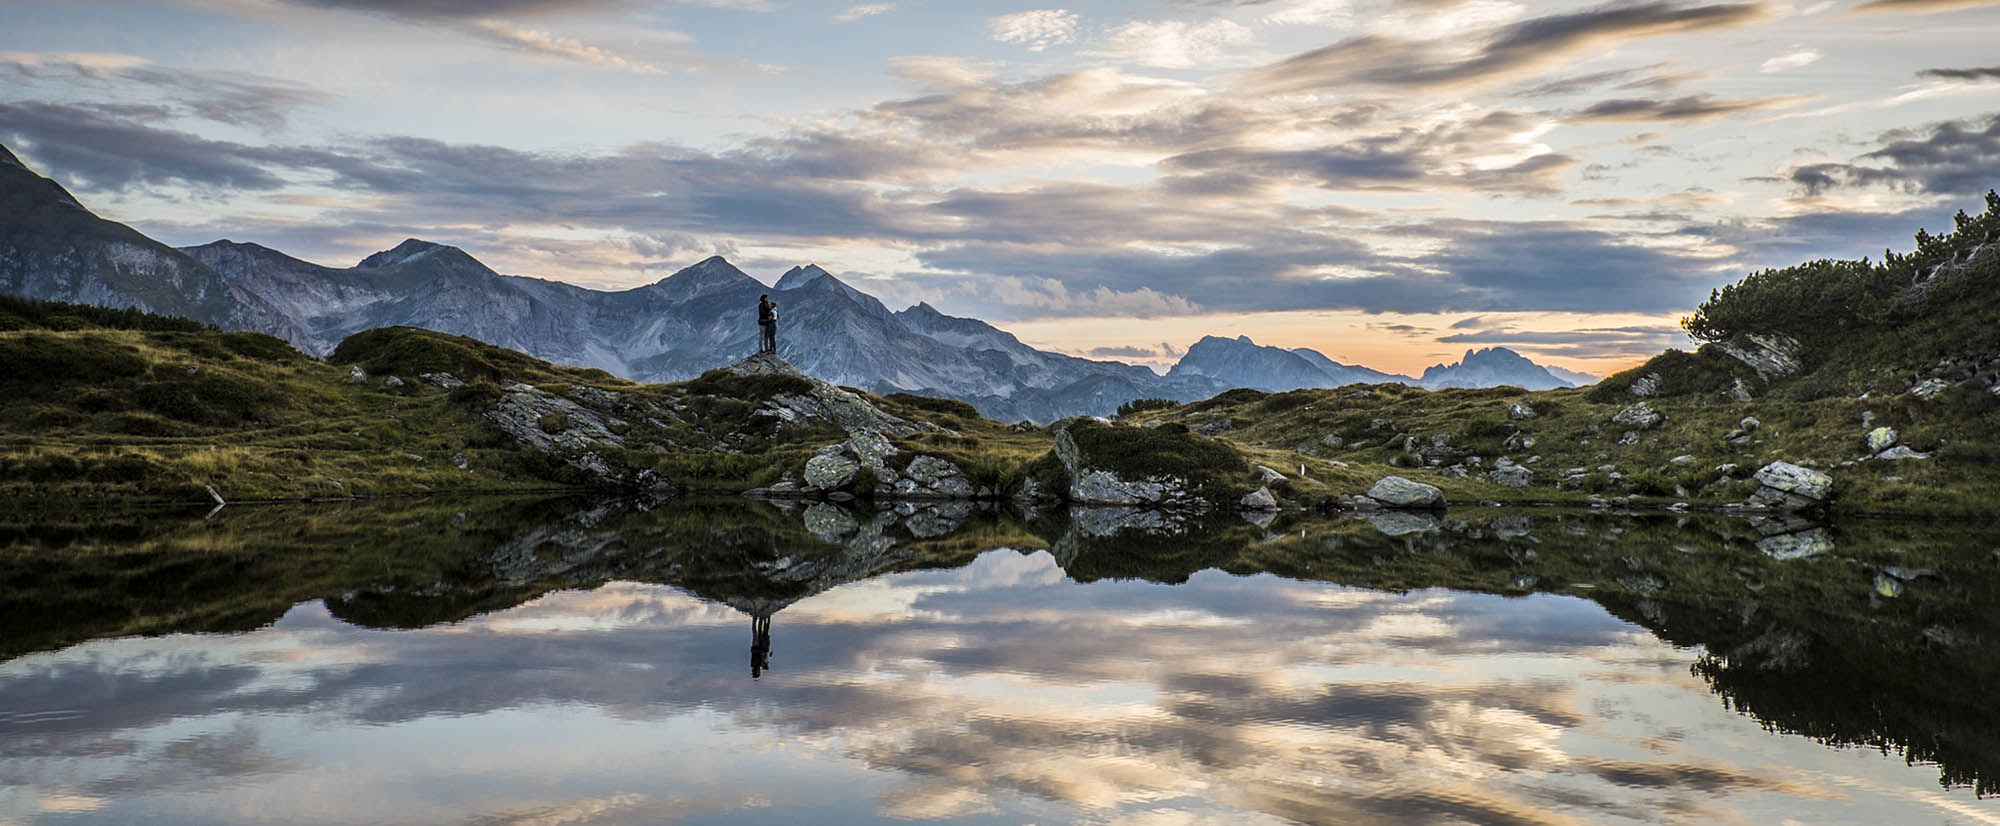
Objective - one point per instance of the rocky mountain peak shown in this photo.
(7, 159)
(410, 249)
(797, 277)
(1245, 340)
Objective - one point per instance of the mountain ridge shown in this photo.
(675, 328)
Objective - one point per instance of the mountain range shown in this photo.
(53, 248)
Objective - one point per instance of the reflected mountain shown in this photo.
(1878, 634)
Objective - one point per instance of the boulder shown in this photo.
(1332, 441)
(392, 381)
(1901, 452)
(1269, 476)
(930, 476)
(356, 375)
(1639, 416)
(1521, 410)
(1786, 486)
(442, 381)
(1398, 492)
(1749, 424)
(1512, 476)
(1881, 439)
(830, 469)
(1259, 500)
(1683, 460)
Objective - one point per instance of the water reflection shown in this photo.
(581, 662)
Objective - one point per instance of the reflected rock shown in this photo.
(1403, 523)
(831, 523)
(1796, 545)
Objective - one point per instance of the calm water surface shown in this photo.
(562, 662)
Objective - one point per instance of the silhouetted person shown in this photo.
(767, 324)
(760, 646)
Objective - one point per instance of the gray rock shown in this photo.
(870, 448)
(1646, 387)
(1786, 486)
(932, 476)
(521, 410)
(1259, 500)
(1749, 424)
(1901, 452)
(444, 381)
(356, 375)
(830, 469)
(1739, 392)
(1881, 439)
(1867, 418)
(1521, 410)
(1514, 476)
(1639, 416)
(1269, 476)
(1683, 459)
(1398, 492)
(1772, 356)
(1631, 437)
(460, 461)
(392, 381)
(1812, 542)
(1332, 441)
(1930, 388)
(1213, 426)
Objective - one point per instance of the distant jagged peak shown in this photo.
(410, 249)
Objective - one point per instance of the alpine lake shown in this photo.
(513, 661)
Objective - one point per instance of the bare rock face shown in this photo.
(1787, 486)
(1521, 410)
(1398, 492)
(1773, 357)
(1646, 387)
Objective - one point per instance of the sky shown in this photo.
(1391, 182)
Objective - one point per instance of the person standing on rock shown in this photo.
(767, 325)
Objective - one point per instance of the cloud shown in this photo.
(1950, 158)
(549, 45)
(1684, 108)
(1038, 29)
(1793, 59)
(473, 10)
(232, 98)
(1980, 73)
(853, 13)
(1921, 6)
(1176, 44)
(1509, 53)
(92, 150)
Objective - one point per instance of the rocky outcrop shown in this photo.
(1786, 486)
(1093, 485)
(1772, 357)
(572, 433)
(837, 468)
(824, 402)
(1512, 476)
(1398, 492)
(1259, 500)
